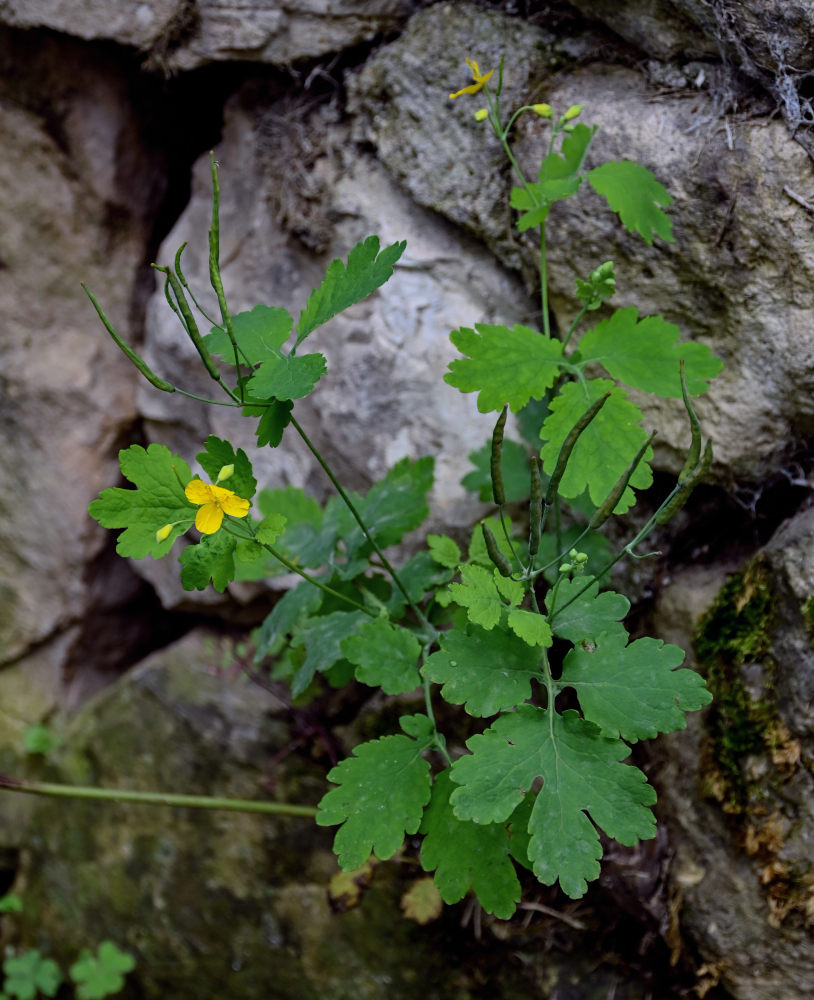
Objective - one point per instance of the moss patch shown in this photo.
(733, 645)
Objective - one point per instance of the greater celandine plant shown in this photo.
(476, 626)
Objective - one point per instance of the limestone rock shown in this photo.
(178, 35)
(736, 788)
(738, 277)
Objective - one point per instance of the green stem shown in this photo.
(544, 283)
(358, 518)
(155, 798)
(439, 743)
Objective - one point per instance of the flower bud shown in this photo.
(481, 115)
(163, 533)
(226, 472)
(573, 112)
(565, 568)
(543, 110)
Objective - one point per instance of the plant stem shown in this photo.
(358, 518)
(154, 798)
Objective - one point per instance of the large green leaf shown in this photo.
(634, 194)
(382, 791)
(212, 559)
(285, 376)
(344, 285)
(384, 655)
(583, 781)
(394, 505)
(466, 855)
(647, 354)
(259, 333)
(158, 499)
(486, 672)
(503, 365)
(584, 617)
(633, 691)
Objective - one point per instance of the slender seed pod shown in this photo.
(498, 492)
(535, 507)
(140, 363)
(694, 453)
(189, 323)
(497, 557)
(612, 499)
(568, 446)
(689, 484)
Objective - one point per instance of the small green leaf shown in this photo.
(647, 354)
(489, 671)
(219, 453)
(484, 594)
(467, 855)
(270, 528)
(444, 550)
(322, 639)
(275, 416)
(259, 333)
(634, 194)
(503, 365)
(382, 791)
(159, 499)
(287, 376)
(530, 626)
(101, 975)
(605, 448)
(366, 270)
(385, 656)
(29, 974)
(633, 691)
(211, 559)
(589, 615)
(40, 739)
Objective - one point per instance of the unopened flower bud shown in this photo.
(580, 558)
(565, 568)
(481, 115)
(573, 112)
(226, 472)
(163, 533)
(543, 110)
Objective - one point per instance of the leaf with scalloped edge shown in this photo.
(486, 672)
(381, 794)
(633, 192)
(584, 783)
(587, 615)
(212, 559)
(633, 691)
(466, 855)
(384, 655)
(503, 365)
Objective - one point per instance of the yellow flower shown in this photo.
(479, 78)
(214, 502)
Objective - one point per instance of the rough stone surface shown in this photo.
(178, 35)
(723, 282)
(736, 788)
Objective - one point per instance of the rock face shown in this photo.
(338, 125)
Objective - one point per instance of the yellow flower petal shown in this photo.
(235, 506)
(209, 518)
(479, 78)
(198, 491)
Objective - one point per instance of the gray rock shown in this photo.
(736, 788)
(178, 35)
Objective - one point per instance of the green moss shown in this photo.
(736, 633)
(808, 619)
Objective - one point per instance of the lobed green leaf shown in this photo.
(587, 616)
(384, 655)
(634, 194)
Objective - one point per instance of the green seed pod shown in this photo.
(535, 507)
(140, 363)
(497, 557)
(498, 492)
(608, 506)
(189, 323)
(695, 444)
(686, 488)
(568, 446)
